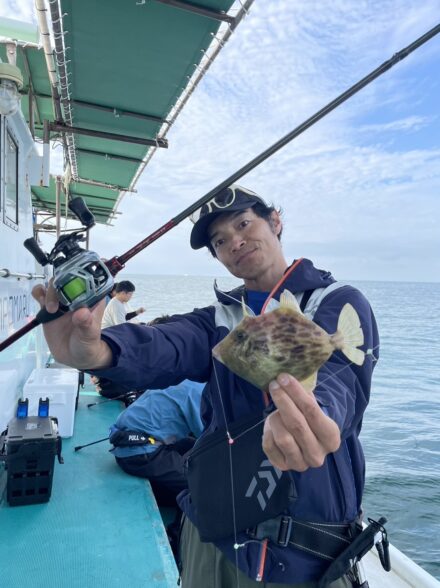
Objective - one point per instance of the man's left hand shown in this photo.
(298, 435)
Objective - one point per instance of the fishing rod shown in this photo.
(117, 263)
(124, 396)
(78, 447)
(93, 279)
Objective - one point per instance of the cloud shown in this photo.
(359, 188)
(411, 123)
(22, 10)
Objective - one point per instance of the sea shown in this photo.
(401, 427)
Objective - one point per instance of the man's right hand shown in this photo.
(75, 338)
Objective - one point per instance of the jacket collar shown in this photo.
(304, 277)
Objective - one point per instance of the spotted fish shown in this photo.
(284, 340)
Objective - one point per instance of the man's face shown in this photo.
(124, 296)
(246, 244)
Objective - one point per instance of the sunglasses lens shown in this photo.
(221, 201)
(225, 198)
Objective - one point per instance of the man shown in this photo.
(313, 437)
(117, 311)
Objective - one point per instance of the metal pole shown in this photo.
(61, 128)
(58, 206)
(207, 12)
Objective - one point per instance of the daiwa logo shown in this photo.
(264, 483)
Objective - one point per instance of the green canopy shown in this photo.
(123, 69)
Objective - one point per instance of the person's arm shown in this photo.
(163, 355)
(132, 314)
(305, 428)
(131, 354)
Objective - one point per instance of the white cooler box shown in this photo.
(61, 387)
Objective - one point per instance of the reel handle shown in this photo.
(79, 208)
(33, 248)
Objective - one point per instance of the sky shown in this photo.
(360, 190)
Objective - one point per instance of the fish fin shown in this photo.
(310, 383)
(244, 308)
(349, 326)
(271, 305)
(288, 300)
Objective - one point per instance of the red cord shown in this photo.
(263, 552)
(280, 282)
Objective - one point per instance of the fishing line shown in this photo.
(329, 377)
(230, 443)
(118, 262)
(369, 352)
(264, 543)
(250, 429)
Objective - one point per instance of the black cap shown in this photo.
(229, 199)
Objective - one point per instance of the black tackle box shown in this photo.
(28, 447)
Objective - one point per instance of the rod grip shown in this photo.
(43, 316)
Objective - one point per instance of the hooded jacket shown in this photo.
(166, 354)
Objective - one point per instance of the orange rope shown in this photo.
(280, 282)
(263, 552)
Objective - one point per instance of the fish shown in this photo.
(283, 340)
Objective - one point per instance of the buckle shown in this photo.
(277, 530)
(285, 531)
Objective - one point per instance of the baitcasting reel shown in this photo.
(81, 278)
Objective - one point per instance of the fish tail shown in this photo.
(349, 326)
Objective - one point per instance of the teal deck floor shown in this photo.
(100, 528)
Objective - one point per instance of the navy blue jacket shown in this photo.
(166, 354)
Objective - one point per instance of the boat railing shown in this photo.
(5, 273)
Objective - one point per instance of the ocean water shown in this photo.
(401, 430)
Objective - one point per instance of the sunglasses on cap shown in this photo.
(233, 197)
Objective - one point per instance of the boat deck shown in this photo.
(100, 527)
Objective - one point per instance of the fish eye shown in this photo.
(240, 335)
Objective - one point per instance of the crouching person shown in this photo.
(151, 436)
